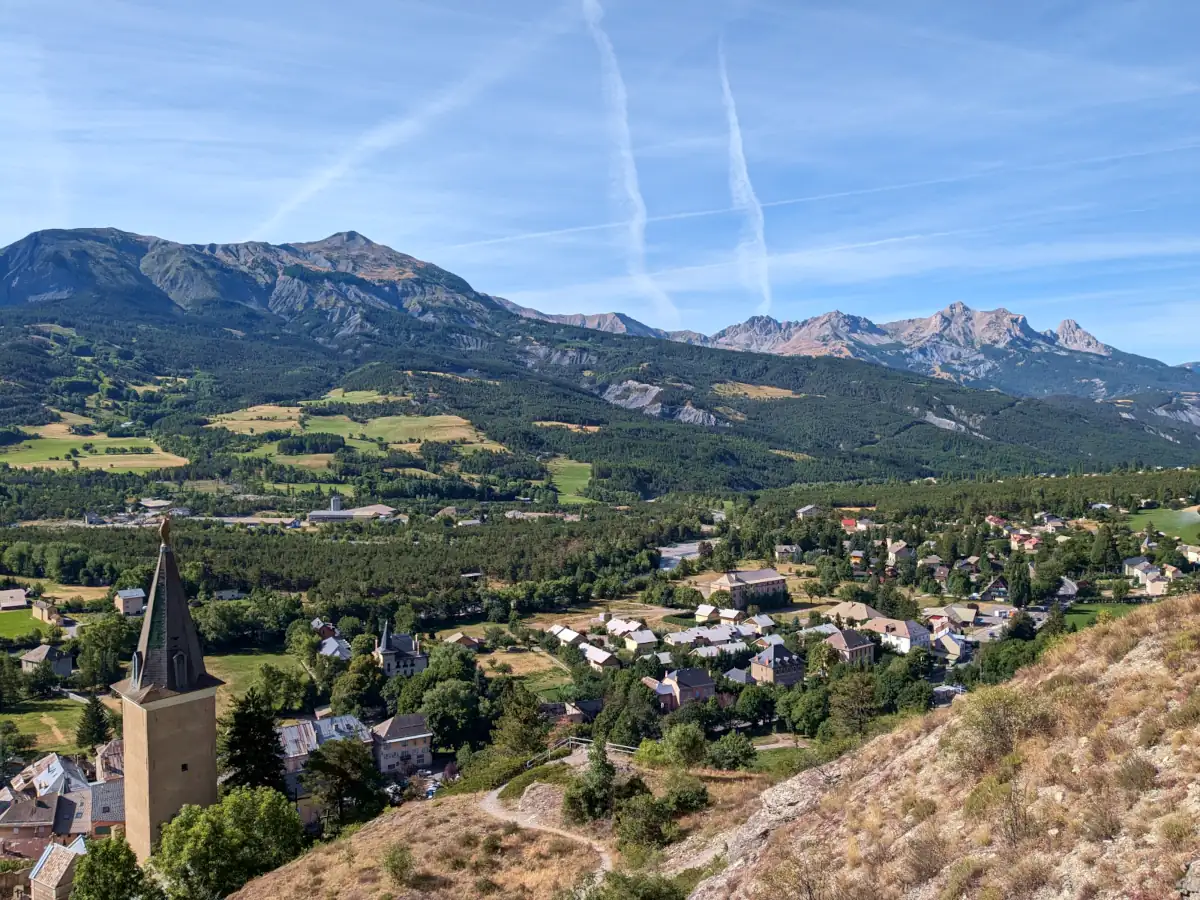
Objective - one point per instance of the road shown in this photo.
(491, 805)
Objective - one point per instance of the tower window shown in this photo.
(183, 768)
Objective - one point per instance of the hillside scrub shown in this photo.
(1074, 780)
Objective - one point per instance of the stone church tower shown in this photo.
(169, 711)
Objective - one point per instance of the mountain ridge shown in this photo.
(977, 348)
(93, 313)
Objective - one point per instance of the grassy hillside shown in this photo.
(1073, 781)
(458, 852)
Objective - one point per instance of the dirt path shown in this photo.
(491, 805)
(54, 729)
(784, 743)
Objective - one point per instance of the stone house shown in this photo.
(402, 744)
(851, 647)
(777, 665)
(61, 663)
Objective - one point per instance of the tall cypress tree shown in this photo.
(95, 726)
(248, 749)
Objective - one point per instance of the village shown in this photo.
(780, 629)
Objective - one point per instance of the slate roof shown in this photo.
(31, 812)
(43, 652)
(108, 801)
(847, 639)
(691, 677)
(403, 728)
(740, 676)
(168, 659)
(777, 655)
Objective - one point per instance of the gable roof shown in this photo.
(56, 866)
(29, 812)
(403, 728)
(899, 627)
(847, 639)
(691, 677)
(857, 612)
(43, 652)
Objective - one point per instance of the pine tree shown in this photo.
(248, 749)
(520, 730)
(94, 727)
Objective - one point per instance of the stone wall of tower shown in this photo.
(170, 761)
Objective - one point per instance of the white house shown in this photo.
(898, 634)
(641, 641)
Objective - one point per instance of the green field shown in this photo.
(1081, 615)
(340, 395)
(54, 453)
(18, 622)
(398, 429)
(1180, 523)
(570, 477)
(51, 722)
(240, 670)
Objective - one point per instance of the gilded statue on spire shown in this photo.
(164, 530)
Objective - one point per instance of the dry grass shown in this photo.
(754, 391)
(457, 850)
(792, 454)
(1088, 796)
(526, 663)
(578, 429)
(257, 419)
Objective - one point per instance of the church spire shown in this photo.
(168, 657)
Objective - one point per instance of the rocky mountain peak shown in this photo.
(1070, 336)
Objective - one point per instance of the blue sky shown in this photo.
(689, 162)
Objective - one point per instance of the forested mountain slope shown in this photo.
(1074, 780)
(91, 317)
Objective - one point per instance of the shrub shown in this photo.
(491, 844)
(1136, 774)
(1150, 732)
(995, 721)
(485, 885)
(1177, 831)
(1186, 714)
(398, 864)
(963, 875)
(645, 821)
(732, 751)
(685, 795)
(920, 808)
(1101, 818)
(685, 744)
(924, 853)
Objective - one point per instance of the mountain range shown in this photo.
(100, 313)
(994, 349)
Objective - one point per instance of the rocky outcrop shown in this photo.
(1070, 336)
(634, 395)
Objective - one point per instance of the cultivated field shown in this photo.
(570, 477)
(341, 395)
(257, 419)
(54, 447)
(1081, 615)
(399, 429)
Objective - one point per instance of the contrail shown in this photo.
(629, 192)
(992, 172)
(753, 259)
(395, 131)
